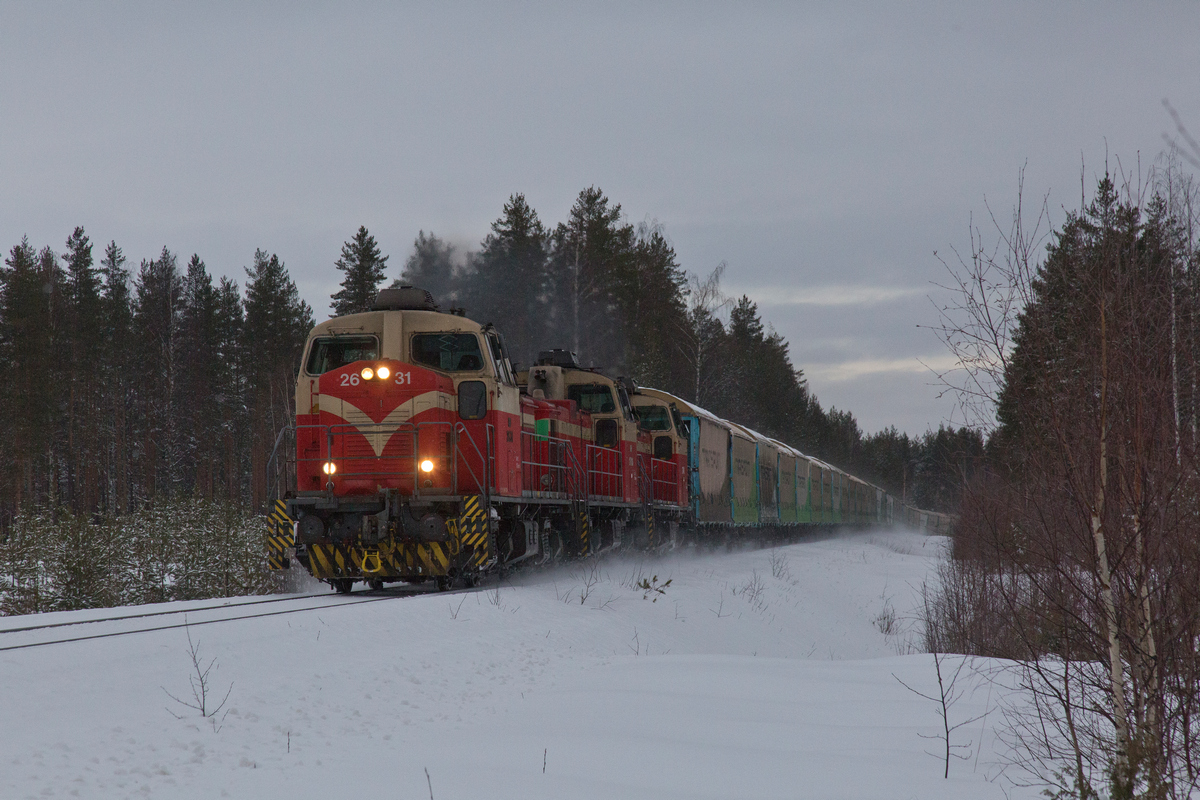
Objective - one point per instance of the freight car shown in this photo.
(419, 454)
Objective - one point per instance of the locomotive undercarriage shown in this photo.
(388, 537)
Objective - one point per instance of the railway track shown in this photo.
(325, 601)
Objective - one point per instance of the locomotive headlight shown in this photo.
(368, 373)
(427, 465)
(329, 467)
(384, 373)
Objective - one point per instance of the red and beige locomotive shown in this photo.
(420, 454)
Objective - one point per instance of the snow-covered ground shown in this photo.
(742, 678)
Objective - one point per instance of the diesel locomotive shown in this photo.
(419, 454)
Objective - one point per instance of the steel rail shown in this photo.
(189, 624)
(162, 613)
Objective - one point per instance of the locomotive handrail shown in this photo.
(460, 428)
(664, 481)
(601, 474)
(560, 473)
(576, 476)
(272, 471)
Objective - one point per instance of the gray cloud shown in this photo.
(827, 295)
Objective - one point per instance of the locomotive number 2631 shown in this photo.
(352, 379)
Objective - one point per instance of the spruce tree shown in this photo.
(230, 393)
(197, 400)
(431, 267)
(510, 285)
(591, 266)
(364, 268)
(277, 323)
(656, 313)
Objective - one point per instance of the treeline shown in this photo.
(127, 386)
(616, 294)
(1077, 553)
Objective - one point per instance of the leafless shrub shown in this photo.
(201, 684)
(589, 574)
(885, 620)
(948, 695)
(780, 568)
(752, 591)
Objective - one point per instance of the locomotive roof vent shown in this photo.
(404, 298)
(558, 357)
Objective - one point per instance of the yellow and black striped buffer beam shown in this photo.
(472, 529)
(388, 560)
(280, 536)
(585, 530)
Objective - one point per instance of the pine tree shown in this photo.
(28, 289)
(82, 329)
(364, 268)
(157, 334)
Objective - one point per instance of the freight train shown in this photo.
(420, 454)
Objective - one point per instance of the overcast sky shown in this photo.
(823, 151)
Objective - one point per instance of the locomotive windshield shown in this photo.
(450, 352)
(594, 398)
(337, 351)
(654, 418)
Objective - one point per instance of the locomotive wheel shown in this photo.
(342, 585)
(444, 583)
(375, 583)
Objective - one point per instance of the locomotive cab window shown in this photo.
(449, 352)
(594, 398)
(606, 433)
(663, 448)
(472, 400)
(334, 352)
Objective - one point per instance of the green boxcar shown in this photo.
(789, 494)
(804, 509)
(787, 488)
(743, 460)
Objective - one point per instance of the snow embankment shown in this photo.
(757, 674)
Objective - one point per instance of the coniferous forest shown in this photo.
(144, 400)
